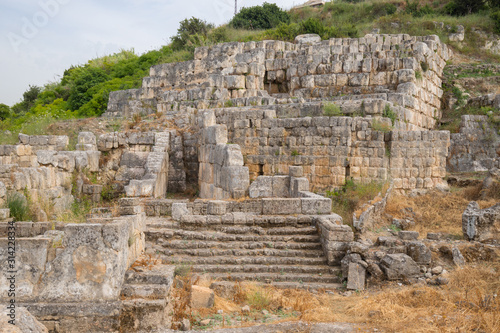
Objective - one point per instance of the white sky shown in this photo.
(39, 39)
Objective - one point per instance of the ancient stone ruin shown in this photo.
(251, 130)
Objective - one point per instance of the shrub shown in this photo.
(84, 79)
(266, 16)
(389, 113)
(332, 110)
(4, 111)
(495, 16)
(381, 126)
(464, 7)
(18, 205)
(312, 26)
(191, 33)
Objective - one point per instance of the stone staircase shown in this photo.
(285, 253)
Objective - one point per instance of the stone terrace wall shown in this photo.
(476, 147)
(332, 149)
(406, 69)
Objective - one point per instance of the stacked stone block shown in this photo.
(222, 174)
(406, 69)
(476, 147)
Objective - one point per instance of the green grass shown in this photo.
(19, 207)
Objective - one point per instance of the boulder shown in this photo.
(482, 225)
(399, 266)
(419, 252)
(356, 277)
(307, 39)
(202, 297)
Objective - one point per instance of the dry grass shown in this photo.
(469, 303)
(436, 211)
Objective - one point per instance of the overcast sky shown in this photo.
(39, 39)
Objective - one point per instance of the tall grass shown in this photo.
(19, 207)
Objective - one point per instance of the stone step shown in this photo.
(306, 230)
(228, 286)
(214, 245)
(146, 291)
(246, 268)
(158, 275)
(263, 221)
(212, 252)
(277, 277)
(239, 260)
(155, 235)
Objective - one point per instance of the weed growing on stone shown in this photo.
(350, 197)
(18, 205)
(332, 110)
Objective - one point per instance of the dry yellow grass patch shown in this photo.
(436, 211)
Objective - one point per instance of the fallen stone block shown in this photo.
(399, 266)
(201, 297)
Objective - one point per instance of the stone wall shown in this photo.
(80, 263)
(333, 149)
(404, 70)
(476, 147)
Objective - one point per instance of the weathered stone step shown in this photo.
(239, 260)
(306, 230)
(248, 268)
(263, 221)
(213, 245)
(159, 275)
(159, 225)
(228, 286)
(146, 291)
(277, 277)
(212, 252)
(154, 235)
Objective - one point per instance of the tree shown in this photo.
(85, 78)
(4, 111)
(191, 33)
(465, 7)
(266, 16)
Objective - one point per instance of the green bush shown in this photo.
(84, 79)
(389, 113)
(312, 26)
(4, 111)
(191, 33)
(332, 110)
(464, 7)
(18, 205)
(495, 16)
(266, 16)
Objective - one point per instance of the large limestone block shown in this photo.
(316, 206)
(262, 187)
(215, 135)
(179, 210)
(419, 252)
(356, 277)
(201, 297)
(3, 190)
(235, 180)
(278, 206)
(307, 39)
(481, 225)
(399, 266)
(134, 159)
(281, 186)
